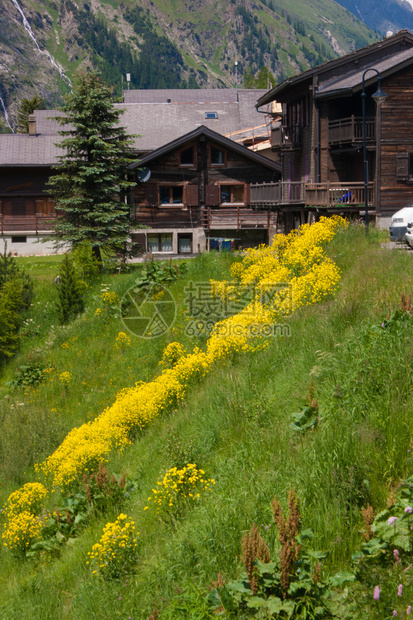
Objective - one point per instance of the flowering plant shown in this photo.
(178, 488)
(115, 554)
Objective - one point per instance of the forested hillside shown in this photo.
(164, 44)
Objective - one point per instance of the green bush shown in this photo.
(70, 290)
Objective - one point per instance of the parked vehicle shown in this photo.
(400, 221)
(409, 234)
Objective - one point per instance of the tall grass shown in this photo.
(235, 425)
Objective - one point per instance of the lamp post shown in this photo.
(378, 97)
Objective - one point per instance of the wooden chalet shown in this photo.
(27, 211)
(320, 137)
(197, 188)
(156, 118)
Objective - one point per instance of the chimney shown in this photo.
(32, 125)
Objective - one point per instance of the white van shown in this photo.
(399, 222)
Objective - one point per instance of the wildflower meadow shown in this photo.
(266, 470)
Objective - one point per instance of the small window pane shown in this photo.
(165, 194)
(166, 243)
(153, 243)
(238, 193)
(217, 156)
(177, 194)
(184, 245)
(225, 193)
(187, 157)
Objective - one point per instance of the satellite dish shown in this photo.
(143, 175)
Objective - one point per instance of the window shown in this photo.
(19, 239)
(184, 244)
(217, 156)
(232, 194)
(404, 166)
(45, 206)
(209, 115)
(160, 242)
(187, 157)
(171, 194)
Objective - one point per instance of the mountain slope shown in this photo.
(165, 43)
(391, 15)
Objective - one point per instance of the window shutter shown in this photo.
(151, 196)
(212, 195)
(402, 168)
(192, 198)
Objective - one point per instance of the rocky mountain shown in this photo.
(391, 15)
(163, 43)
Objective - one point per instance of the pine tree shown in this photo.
(10, 270)
(27, 107)
(10, 317)
(70, 290)
(91, 177)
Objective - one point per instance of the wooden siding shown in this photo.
(396, 139)
(200, 189)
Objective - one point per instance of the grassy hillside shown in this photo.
(235, 423)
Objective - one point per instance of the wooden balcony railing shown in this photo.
(237, 218)
(286, 136)
(26, 223)
(337, 194)
(270, 195)
(350, 130)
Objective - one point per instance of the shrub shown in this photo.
(178, 489)
(115, 554)
(70, 292)
(11, 305)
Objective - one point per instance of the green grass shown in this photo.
(235, 424)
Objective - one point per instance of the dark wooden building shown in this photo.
(320, 137)
(197, 188)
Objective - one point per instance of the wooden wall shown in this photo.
(198, 181)
(396, 137)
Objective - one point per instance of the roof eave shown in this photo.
(226, 142)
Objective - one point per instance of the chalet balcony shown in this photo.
(286, 136)
(349, 196)
(336, 195)
(345, 131)
(276, 194)
(12, 224)
(237, 218)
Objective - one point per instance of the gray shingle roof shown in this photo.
(191, 95)
(390, 53)
(353, 79)
(214, 136)
(153, 120)
(25, 150)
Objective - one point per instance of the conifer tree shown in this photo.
(27, 107)
(10, 270)
(91, 179)
(70, 290)
(10, 317)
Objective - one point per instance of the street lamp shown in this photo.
(379, 96)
